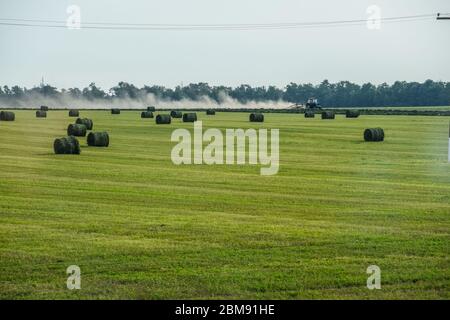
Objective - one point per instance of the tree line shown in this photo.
(332, 95)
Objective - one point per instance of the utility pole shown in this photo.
(444, 17)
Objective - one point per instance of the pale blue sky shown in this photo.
(412, 51)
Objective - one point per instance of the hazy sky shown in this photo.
(411, 51)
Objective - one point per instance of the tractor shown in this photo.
(312, 104)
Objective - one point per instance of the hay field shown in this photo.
(140, 227)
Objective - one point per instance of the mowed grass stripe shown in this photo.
(141, 227)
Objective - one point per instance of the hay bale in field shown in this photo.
(374, 134)
(77, 130)
(309, 114)
(115, 111)
(7, 116)
(146, 114)
(151, 108)
(41, 114)
(190, 117)
(74, 113)
(328, 115)
(98, 139)
(67, 145)
(352, 114)
(210, 112)
(87, 122)
(44, 108)
(176, 114)
(256, 117)
(163, 119)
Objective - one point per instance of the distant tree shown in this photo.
(6, 91)
(243, 93)
(47, 90)
(273, 93)
(158, 91)
(75, 93)
(340, 94)
(218, 93)
(93, 92)
(17, 92)
(125, 90)
(299, 93)
(367, 95)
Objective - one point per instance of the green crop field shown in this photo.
(427, 108)
(140, 227)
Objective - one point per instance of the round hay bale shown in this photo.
(210, 112)
(309, 114)
(256, 117)
(352, 114)
(163, 119)
(374, 134)
(67, 145)
(189, 117)
(77, 130)
(151, 108)
(146, 114)
(74, 113)
(87, 122)
(115, 111)
(41, 114)
(7, 116)
(176, 114)
(44, 108)
(328, 115)
(98, 139)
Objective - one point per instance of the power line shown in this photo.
(222, 25)
(40, 23)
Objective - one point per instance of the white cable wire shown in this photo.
(205, 27)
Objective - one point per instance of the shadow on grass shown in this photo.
(367, 142)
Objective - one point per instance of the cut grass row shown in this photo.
(141, 227)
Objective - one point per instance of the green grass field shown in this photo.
(429, 108)
(141, 227)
